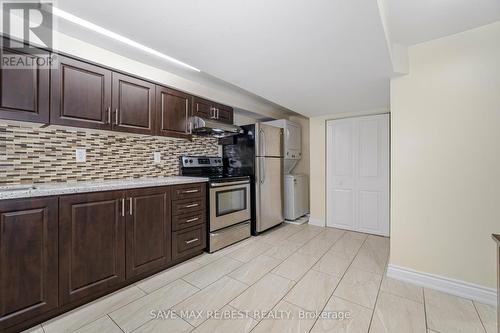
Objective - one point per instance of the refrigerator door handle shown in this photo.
(262, 142)
(263, 170)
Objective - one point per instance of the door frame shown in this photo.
(327, 173)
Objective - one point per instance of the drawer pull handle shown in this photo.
(191, 205)
(191, 191)
(193, 219)
(192, 241)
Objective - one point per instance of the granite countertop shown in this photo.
(496, 238)
(49, 189)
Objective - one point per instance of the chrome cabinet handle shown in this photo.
(190, 191)
(187, 117)
(131, 205)
(116, 116)
(217, 116)
(193, 219)
(123, 206)
(191, 205)
(192, 241)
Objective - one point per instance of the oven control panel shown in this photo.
(200, 161)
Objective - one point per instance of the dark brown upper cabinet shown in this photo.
(24, 91)
(28, 259)
(203, 108)
(172, 111)
(133, 105)
(224, 113)
(210, 110)
(81, 94)
(91, 244)
(148, 230)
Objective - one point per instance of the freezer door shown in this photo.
(268, 192)
(268, 140)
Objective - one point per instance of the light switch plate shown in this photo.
(157, 157)
(81, 155)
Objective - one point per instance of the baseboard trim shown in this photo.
(451, 286)
(316, 222)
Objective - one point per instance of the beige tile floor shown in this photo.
(317, 279)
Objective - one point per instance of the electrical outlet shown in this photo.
(81, 155)
(157, 157)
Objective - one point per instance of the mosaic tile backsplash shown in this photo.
(29, 154)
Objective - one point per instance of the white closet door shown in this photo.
(358, 174)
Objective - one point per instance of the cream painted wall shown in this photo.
(317, 151)
(445, 184)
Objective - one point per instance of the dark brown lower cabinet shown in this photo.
(61, 252)
(28, 259)
(91, 244)
(148, 230)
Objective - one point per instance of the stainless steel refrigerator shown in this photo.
(268, 176)
(258, 153)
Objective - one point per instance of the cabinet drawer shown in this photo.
(188, 241)
(187, 191)
(188, 220)
(185, 206)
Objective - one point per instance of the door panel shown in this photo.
(342, 149)
(28, 259)
(369, 211)
(269, 185)
(91, 244)
(81, 94)
(148, 230)
(358, 162)
(172, 111)
(268, 141)
(373, 175)
(369, 143)
(24, 93)
(342, 207)
(133, 104)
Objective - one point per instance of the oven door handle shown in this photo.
(229, 183)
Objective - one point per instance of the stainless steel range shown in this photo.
(229, 200)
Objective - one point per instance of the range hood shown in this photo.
(207, 127)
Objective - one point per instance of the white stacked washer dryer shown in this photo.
(296, 192)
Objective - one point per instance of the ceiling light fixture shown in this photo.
(94, 27)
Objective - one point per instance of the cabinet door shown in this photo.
(172, 111)
(24, 90)
(225, 114)
(203, 108)
(91, 244)
(133, 105)
(81, 94)
(148, 230)
(28, 259)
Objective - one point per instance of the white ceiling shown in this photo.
(313, 57)
(416, 21)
